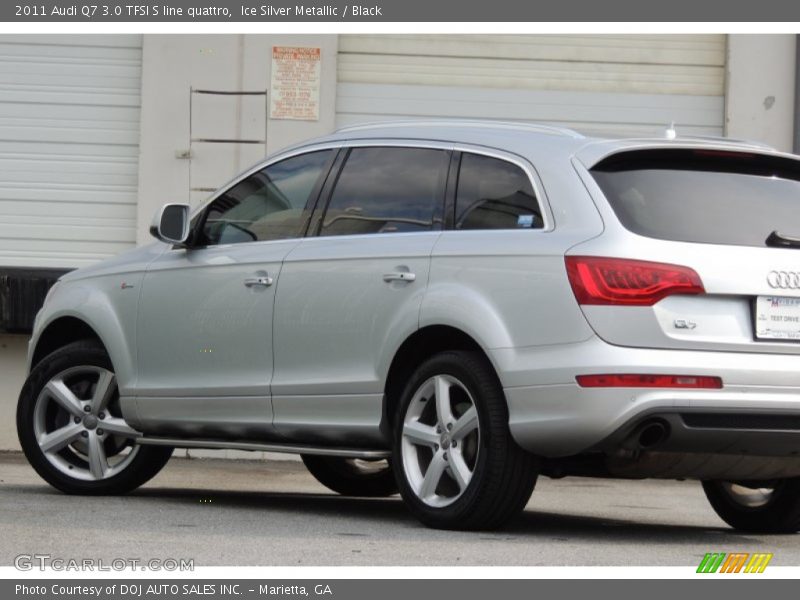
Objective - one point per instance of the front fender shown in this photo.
(106, 306)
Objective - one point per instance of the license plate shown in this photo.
(777, 318)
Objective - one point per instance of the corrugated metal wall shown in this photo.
(69, 148)
(597, 83)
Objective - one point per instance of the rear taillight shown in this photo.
(649, 381)
(622, 281)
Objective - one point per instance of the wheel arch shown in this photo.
(65, 326)
(415, 349)
(60, 332)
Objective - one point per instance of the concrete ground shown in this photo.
(234, 512)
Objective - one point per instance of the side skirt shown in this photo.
(368, 454)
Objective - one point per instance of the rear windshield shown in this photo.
(704, 196)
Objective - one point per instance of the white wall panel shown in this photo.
(595, 83)
(69, 148)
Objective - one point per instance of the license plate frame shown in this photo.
(777, 318)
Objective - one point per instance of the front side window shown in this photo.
(495, 194)
(388, 190)
(268, 205)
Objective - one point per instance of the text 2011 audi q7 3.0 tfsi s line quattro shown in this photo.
(448, 310)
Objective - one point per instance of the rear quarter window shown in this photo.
(495, 194)
(703, 196)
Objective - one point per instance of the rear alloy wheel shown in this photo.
(440, 449)
(72, 430)
(457, 465)
(774, 508)
(353, 476)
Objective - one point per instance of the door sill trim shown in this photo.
(370, 454)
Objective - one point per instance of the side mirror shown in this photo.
(171, 224)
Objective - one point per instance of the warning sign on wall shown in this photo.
(294, 88)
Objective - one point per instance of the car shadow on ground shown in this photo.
(391, 511)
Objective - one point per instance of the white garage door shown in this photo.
(69, 148)
(596, 84)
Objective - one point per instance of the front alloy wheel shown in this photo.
(456, 464)
(78, 429)
(72, 430)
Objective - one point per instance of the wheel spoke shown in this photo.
(59, 392)
(465, 424)
(118, 427)
(106, 385)
(56, 440)
(420, 434)
(433, 475)
(443, 411)
(98, 463)
(459, 470)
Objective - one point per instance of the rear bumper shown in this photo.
(756, 412)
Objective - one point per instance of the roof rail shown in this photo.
(539, 128)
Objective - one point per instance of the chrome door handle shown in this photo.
(399, 276)
(258, 281)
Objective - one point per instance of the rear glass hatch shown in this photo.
(704, 196)
(732, 217)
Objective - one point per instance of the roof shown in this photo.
(470, 124)
(519, 138)
(538, 142)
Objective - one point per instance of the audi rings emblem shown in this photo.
(784, 280)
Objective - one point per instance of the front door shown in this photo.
(204, 332)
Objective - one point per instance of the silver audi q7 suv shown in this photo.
(448, 310)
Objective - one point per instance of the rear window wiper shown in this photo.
(780, 240)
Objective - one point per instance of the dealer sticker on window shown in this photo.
(525, 221)
(777, 318)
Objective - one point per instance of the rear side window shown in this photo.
(495, 194)
(388, 190)
(703, 196)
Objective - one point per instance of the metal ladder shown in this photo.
(194, 139)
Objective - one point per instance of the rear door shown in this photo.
(724, 226)
(352, 291)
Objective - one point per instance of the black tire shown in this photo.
(779, 513)
(503, 475)
(353, 477)
(148, 460)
